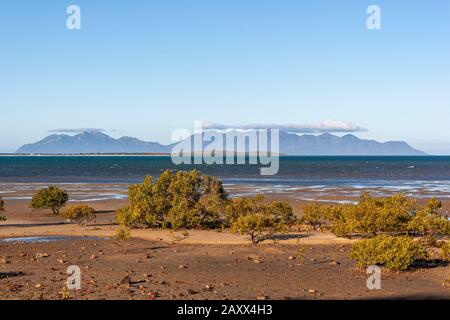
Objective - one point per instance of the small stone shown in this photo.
(93, 257)
(60, 261)
(152, 295)
(37, 286)
(146, 275)
(261, 297)
(312, 291)
(182, 266)
(334, 263)
(257, 261)
(192, 291)
(42, 255)
(291, 257)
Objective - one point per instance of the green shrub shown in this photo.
(397, 214)
(2, 210)
(313, 215)
(395, 253)
(52, 198)
(445, 248)
(257, 218)
(121, 236)
(81, 214)
(257, 226)
(185, 199)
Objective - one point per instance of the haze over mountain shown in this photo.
(290, 144)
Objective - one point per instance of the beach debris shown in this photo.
(125, 280)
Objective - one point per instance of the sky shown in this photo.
(145, 68)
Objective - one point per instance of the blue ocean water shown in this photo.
(104, 169)
(304, 178)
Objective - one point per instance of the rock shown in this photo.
(291, 257)
(192, 291)
(312, 291)
(125, 280)
(257, 261)
(208, 287)
(261, 297)
(152, 295)
(146, 275)
(60, 261)
(93, 257)
(42, 255)
(182, 266)
(335, 263)
(37, 286)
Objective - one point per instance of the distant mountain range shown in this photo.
(290, 144)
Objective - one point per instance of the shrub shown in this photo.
(121, 236)
(397, 214)
(445, 251)
(427, 221)
(258, 219)
(396, 253)
(313, 215)
(81, 214)
(185, 199)
(52, 198)
(2, 210)
(258, 227)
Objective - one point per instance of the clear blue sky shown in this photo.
(145, 68)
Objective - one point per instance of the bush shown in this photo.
(52, 198)
(397, 214)
(2, 210)
(80, 214)
(395, 253)
(121, 236)
(445, 251)
(313, 215)
(185, 199)
(258, 219)
(258, 227)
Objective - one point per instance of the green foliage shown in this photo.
(121, 236)
(397, 214)
(313, 215)
(81, 214)
(427, 220)
(445, 248)
(2, 210)
(185, 199)
(52, 198)
(258, 219)
(396, 253)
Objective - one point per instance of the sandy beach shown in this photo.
(188, 264)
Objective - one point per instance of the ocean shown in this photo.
(422, 176)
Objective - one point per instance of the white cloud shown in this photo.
(322, 127)
(76, 130)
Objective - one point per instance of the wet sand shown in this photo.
(196, 265)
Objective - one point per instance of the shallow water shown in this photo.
(46, 239)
